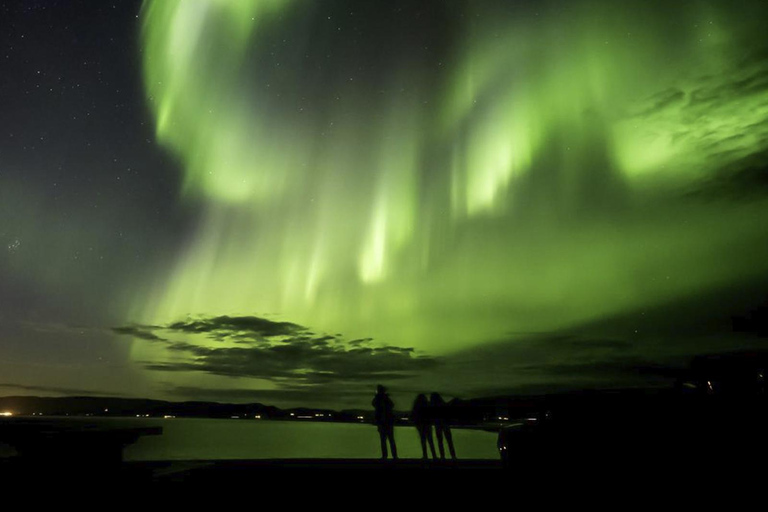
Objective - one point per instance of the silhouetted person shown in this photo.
(442, 424)
(384, 418)
(420, 414)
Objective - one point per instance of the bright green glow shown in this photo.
(395, 203)
(695, 131)
(637, 79)
(518, 195)
(199, 112)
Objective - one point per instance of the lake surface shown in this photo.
(191, 438)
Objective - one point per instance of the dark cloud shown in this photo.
(240, 329)
(238, 326)
(140, 332)
(748, 77)
(285, 352)
(661, 101)
(301, 360)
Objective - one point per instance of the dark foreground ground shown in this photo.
(220, 472)
(229, 469)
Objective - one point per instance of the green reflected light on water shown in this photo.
(191, 439)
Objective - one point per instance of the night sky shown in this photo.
(291, 201)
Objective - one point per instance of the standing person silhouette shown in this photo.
(420, 414)
(442, 424)
(384, 418)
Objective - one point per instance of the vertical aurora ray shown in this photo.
(500, 187)
(191, 102)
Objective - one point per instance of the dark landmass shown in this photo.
(142, 407)
(466, 411)
(122, 407)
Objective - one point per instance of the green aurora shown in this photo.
(548, 167)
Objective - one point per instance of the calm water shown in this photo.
(188, 439)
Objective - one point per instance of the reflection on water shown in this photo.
(187, 439)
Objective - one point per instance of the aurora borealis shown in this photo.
(292, 199)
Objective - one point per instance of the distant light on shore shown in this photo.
(6, 413)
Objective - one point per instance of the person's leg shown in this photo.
(431, 442)
(392, 444)
(423, 437)
(383, 437)
(449, 440)
(439, 434)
